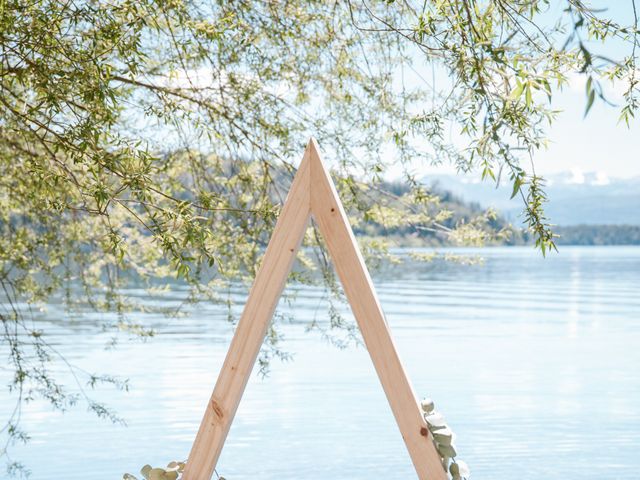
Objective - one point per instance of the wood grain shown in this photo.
(252, 328)
(312, 192)
(332, 220)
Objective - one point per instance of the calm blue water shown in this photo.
(534, 363)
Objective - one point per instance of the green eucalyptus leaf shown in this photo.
(145, 471)
(427, 405)
(158, 474)
(170, 475)
(443, 436)
(460, 469)
(446, 450)
(435, 421)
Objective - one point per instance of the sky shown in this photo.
(597, 143)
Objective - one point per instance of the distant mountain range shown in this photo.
(575, 198)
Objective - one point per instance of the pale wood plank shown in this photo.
(251, 328)
(327, 210)
(312, 192)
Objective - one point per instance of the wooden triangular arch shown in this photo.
(312, 194)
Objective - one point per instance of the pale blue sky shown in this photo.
(597, 143)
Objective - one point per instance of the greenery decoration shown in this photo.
(444, 440)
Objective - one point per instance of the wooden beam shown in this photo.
(312, 193)
(252, 328)
(327, 210)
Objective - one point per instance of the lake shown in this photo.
(534, 362)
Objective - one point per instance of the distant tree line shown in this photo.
(454, 212)
(598, 235)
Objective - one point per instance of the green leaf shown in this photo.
(435, 421)
(427, 405)
(446, 450)
(517, 183)
(443, 436)
(516, 92)
(590, 99)
(145, 471)
(488, 172)
(458, 468)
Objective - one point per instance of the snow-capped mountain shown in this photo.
(574, 197)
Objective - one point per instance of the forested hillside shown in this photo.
(504, 232)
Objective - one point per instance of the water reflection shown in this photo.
(533, 362)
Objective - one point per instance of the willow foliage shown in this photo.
(143, 140)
